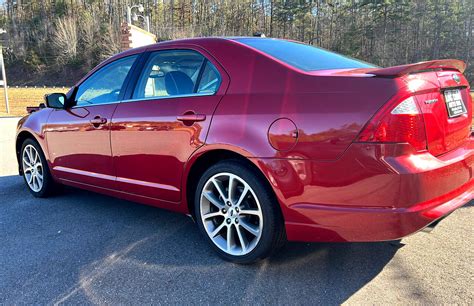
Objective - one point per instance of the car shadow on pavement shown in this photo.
(469, 204)
(82, 247)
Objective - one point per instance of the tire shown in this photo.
(247, 228)
(35, 169)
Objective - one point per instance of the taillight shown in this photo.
(397, 123)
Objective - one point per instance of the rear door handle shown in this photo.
(192, 117)
(98, 121)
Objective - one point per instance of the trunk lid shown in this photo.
(445, 102)
(443, 96)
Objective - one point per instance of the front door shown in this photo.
(164, 122)
(78, 137)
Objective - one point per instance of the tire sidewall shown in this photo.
(272, 221)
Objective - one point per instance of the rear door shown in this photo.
(78, 138)
(447, 109)
(165, 120)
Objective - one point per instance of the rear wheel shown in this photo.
(237, 213)
(35, 169)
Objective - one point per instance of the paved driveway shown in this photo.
(8, 163)
(81, 247)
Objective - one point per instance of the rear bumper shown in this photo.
(373, 193)
(374, 224)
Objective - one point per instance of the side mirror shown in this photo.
(55, 100)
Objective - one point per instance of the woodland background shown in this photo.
(56, 42)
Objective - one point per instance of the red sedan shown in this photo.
(262, 141)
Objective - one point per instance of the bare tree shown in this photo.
(65, 40)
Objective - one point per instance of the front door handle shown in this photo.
(97, 121)
(191, 118)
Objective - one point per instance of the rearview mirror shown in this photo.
(55, 100)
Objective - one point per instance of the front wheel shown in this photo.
(237, 213)
(35, 169)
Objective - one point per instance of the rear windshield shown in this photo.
(302, 56)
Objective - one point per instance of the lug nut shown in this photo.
(229, 204)
(236, 220)
(228, 221)
(224, 210)
(237, 209)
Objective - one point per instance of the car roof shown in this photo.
(192, 41)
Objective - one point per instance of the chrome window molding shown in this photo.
(169, 97)
(148, 99)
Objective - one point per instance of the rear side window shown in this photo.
(210, 79)
(176, 73)
(302, 56)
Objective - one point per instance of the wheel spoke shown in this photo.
(230, 238)
(217, 230)
(34, 182)
(27, 150)
(241, 238)
(32, 155)
(212, 215)
(212, 198)
(232, 187)
(27, 163)
(39, 178)
(29, 178)
(243, 195)
(252, 212)
(249, 227)
(219, 188)
(35, 156)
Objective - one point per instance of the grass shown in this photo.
(20, 98)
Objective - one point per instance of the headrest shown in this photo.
(178, 83)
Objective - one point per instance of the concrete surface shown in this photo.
(8, 163)
(83, 248)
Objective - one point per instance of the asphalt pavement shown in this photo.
(84, 248)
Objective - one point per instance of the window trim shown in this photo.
(169, 97)
(200, 73)
(204, 94)
(147, 55)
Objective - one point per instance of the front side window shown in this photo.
(104, 86)
(175, 73)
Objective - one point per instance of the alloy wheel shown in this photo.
(32, 168)
(231, 214)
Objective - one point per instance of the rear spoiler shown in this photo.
(421, 66)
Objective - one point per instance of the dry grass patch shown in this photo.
(20, 98)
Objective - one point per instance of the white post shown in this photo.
(129, 15)
(147, 22)
(4, 80)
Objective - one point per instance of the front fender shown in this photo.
(33, 126)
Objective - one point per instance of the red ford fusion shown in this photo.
(262, 141)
